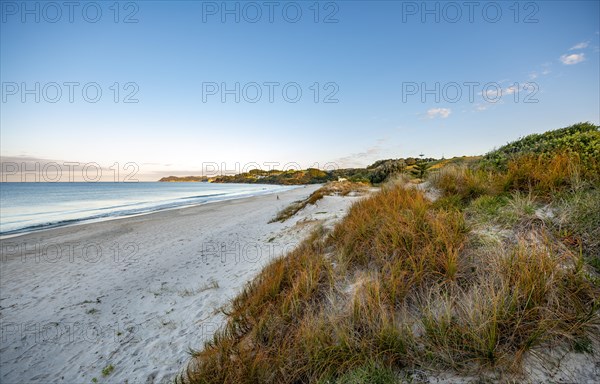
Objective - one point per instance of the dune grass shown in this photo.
(501, 266)
(403, 282)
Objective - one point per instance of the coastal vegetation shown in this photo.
(290, 177)
(499, 266)
(376, 173)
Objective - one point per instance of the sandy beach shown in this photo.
(131, 296)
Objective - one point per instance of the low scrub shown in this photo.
(582, 138)
(543, 175)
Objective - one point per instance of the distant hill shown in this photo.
(290, 177)
(185, 178)
(375, 173)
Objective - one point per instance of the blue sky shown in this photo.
(548, 50)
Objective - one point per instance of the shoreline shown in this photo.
(146, 289)
(51, 226)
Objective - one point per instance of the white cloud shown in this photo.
(543, 70)
(362, 159)
(439, 112)
(582, 45)
(572, 59)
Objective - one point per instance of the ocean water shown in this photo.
(26, 207)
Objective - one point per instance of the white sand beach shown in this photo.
(136, 293)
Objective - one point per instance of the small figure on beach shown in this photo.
(277, 197)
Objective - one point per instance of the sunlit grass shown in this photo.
(403, 282)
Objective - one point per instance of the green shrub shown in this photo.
(582, 138)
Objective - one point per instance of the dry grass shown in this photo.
(398, 234)
(521, 298)
(539, 175)
(577, 222)
(542, 175)
(402, 283)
